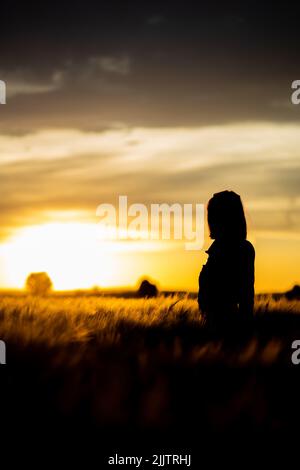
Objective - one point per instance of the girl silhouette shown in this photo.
(226, 281)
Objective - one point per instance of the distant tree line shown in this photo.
(40, 284)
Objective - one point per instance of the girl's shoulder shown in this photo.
(232, 249)
(247, 248)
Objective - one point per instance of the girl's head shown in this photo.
(226, 217)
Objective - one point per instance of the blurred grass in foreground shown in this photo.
(111, 363)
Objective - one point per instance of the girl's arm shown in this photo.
(246, 297)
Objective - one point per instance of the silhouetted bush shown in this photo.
(147, 289)
(38, 284)
(294, 293)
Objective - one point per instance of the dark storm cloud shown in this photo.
(88, 65)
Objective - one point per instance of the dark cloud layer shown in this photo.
(93, 64)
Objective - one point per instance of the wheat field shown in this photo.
(145, 365)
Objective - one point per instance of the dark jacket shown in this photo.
(226, 282)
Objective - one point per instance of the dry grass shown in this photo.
(57, 320)
(102, 362)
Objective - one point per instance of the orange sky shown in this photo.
(164, 102)
(53, 181)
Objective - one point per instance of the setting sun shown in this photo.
(72, 254)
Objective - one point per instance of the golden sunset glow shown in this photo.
(70, 253)
(78, 255)
(63, 175)
(75, 255)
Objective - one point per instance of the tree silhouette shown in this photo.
(294, 293)
(38, 284)
(147, 289)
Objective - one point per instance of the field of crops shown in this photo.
(112, 366)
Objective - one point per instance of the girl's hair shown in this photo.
(226, 217)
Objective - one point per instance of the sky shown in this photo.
(165, 102)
